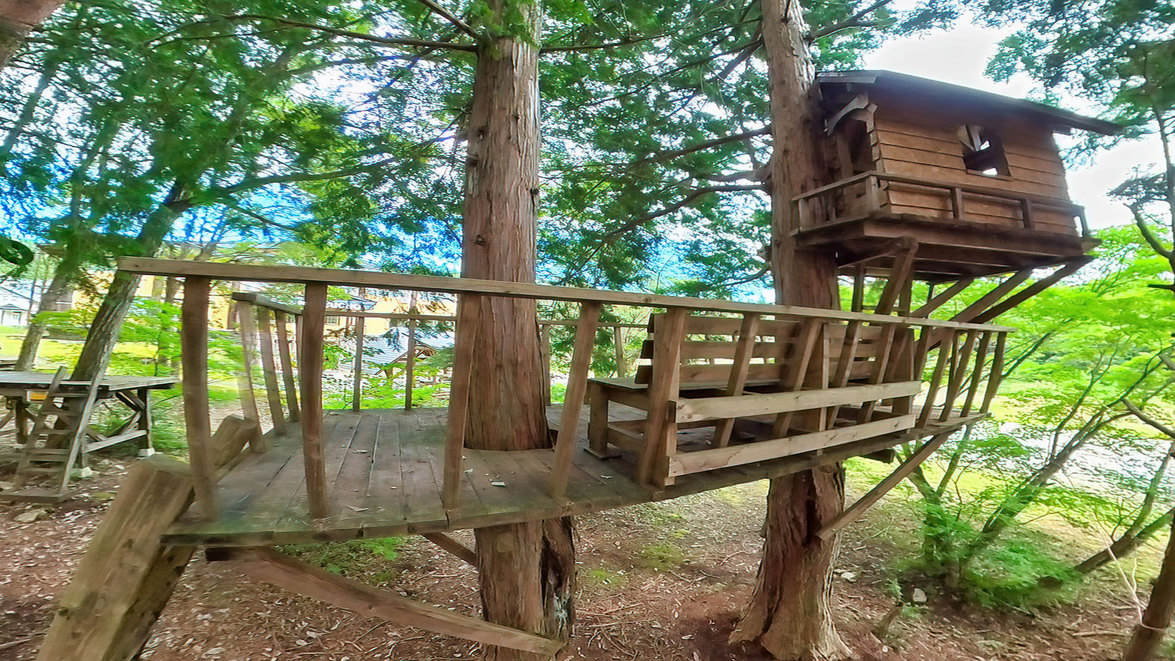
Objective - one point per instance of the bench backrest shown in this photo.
(709, 345)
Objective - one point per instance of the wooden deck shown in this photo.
(385, 473)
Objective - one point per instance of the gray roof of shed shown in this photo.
(914, 84)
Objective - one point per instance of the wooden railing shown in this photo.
(410, 321)
(897, 357)
(1027, 203)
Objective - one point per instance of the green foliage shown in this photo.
(356, 557)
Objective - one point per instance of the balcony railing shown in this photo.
(815, 207)
(292, 367)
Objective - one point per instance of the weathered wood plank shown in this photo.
(269, 368)
(581, 359)
(272, 567)
(310, 370)
(716, 408)
(660, 433)
(464, 345)
(197, 416)
(287, 362)
(748, 331)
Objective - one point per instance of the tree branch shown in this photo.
(675, 153)
(350, 34)
(1147, 234)
(850, 22)
(450, 17)
(295, 177)
(1138, 413)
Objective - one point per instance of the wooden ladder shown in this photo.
(53, 445)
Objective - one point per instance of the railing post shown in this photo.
(545, 359)
(957, 203)
(618, 346)
(468, 309)
(660, 432)
(410, 361)
(287, 361)
(958, 373)
(977, 373)
(269, 368)
(248, 331)
(997, 372)
(936, 380)
(357, 381)
(310, 362)
(1026, 212)
(581, 362)
(197, 417)
(873, 186)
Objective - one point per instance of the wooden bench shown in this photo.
(768, 388)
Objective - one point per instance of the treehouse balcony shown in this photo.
(722, 393)
(962, 230)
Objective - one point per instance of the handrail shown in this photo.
(956, 190)
(264, 325)
(441, 284)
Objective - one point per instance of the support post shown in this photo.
(660, 432)
(310, 362)
(287, 361)
(410, 360)
(357, 380)
(248, 330)
(269, 369)
(581, 362)
(197, 417)
(465, 343)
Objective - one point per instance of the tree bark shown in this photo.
(1148, 634)
(120, 295)
(64, 277)
(526, 570)
(17, 19)
(789, 613)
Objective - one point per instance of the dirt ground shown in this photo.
(662, 581)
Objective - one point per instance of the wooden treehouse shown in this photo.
(722, 393)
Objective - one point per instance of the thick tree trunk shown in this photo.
(17, 19)
(1148, 634)
(526, 570)
(789, 613)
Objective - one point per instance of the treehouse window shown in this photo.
(983, 153)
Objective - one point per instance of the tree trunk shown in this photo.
(789, 613)
(56, 292)
(1148, 634)
(526, 570)
(120, 295)
(17, 19)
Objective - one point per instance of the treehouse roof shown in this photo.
(935, 92)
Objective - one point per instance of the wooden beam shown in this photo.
(794, 367)
(736, 455)
(248, 329)
(938, 301)
(452, 546)
(269, 369)
(1032, 290)
(197, 416)
(383, 280)
(717, 408)
(667, 339)
(581, 362)
(410, 362)
(996, 375)
(127, 573)
(958, 373)
(875, 494)
(748, 333)
(976, 374)
(357, 377)
(271, 567)
(310, 364)
(936, 379)
(465, 343)
(287, 361)
(261, 300)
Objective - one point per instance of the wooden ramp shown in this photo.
(385, 472)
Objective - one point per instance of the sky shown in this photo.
(960, 55)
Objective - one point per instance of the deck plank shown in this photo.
(396, 483)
